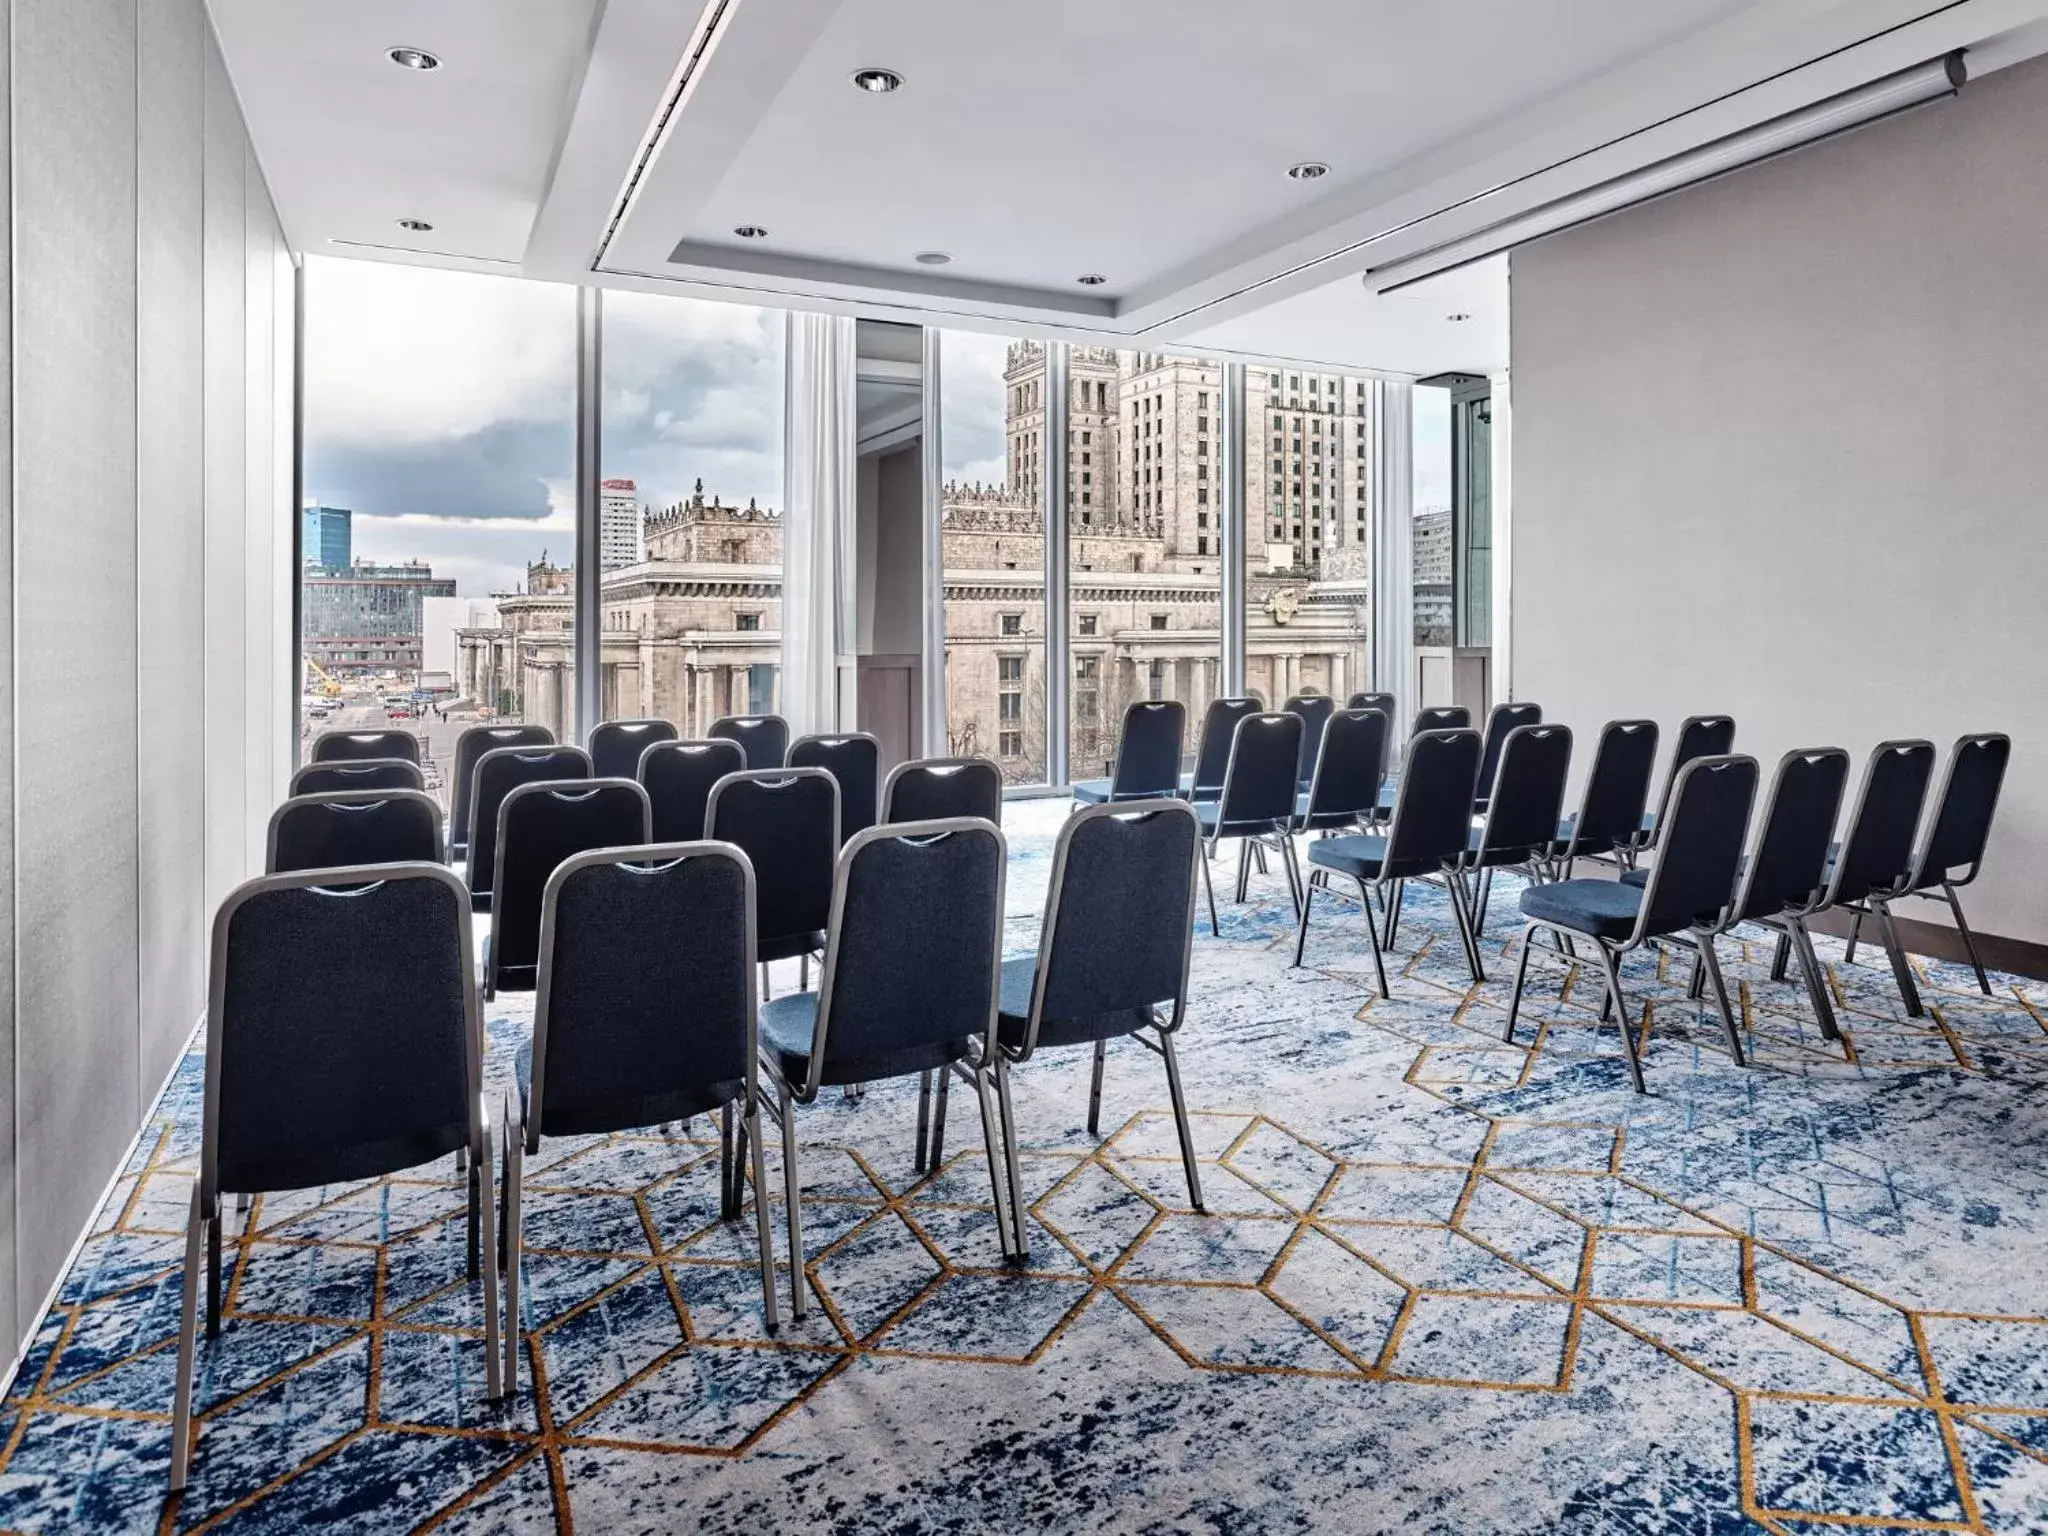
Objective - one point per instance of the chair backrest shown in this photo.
(1788, 868)
(678, 776)
(540, 825)
(854, 759)
(470, 747)
(1698, 736)
(1528, 791)
(498, 772)
(645, 1007)
(354, 746)
(360, 773)
(616, 745)
(1505, 718)
(1212, 752)
(1962, 814)
(764, 738)
(1349, 770)
(1383, 702)
(344, 1035)
(1442, 717)
(1148, 751)
(1700, 849)
(1260, 784)
(1119, 918)
(916, 944)
(787, 822)
(1432, 817)
(1618, 788)
(935, 788)
(353, 826)
(1876, 856)
(1315, 710)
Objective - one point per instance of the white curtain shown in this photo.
(818, 467)
(1393, 548)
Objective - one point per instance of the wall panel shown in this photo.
(8, 1302)
(76, 1061)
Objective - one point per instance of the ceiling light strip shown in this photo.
(1867, 104)
(710, 28)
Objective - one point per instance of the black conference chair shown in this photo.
(909, 985)
(353, 826)
(344, 1041)
(854, 759)
(1783, 879)
(645, 1015)
(935, 788)
(1315, 710)
(786, 821)
(364, 773)
(1256, 804)
(1521, 815)
(498, 772)
(764, 738)
(1148, 753)
(1698, 736)
(540, 825)
(1442, 717)
(1690, 888)
(1383, 702)
(1112, 958)
(678, 777)
(1429, 834)
(355, 746)
(1875, 860)
(1344, 794)
(1960, 832)
(616, 745)
(470, 747)
(1212, 752)
(1505, 718)
(1610, 814)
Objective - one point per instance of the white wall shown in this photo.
(1779, 450)
(148, 373)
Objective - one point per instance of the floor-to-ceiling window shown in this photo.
(690, 509)
(1144, 541)
(439, 534)
(1307, 532)
(992, 431)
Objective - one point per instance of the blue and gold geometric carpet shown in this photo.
(1444, 1285)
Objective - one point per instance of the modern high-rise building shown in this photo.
(619, 524)
(327, 542)
(368, 618)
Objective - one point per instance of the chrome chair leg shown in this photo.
(1710, 963)
(1095, 1088)
(792, 1185)
(1902, 968)
(763, 1237)
(1180, 1118)
(1292, 870)
(1955, 907)
(494, 1380)
(1485, 900)
(1855, 938)
(728, 1194)
(188, 1344)
(1372, 934)
(921, 1159)
(1301, 924)
(1781, 955)
(1814, 978)
(1020, 1244)
(515, 1237)
(1461, 909)
(1394, 911)
(936, 1156)
(213, 1268)
(1209, 890)
(998, 1174)
(1521, 979)
(1244, 868)
(1628, 1036)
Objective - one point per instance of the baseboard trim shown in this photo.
(2019, 957)
(22, 1344)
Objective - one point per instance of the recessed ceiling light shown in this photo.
(412, 58)
(750, 232)
(878, 82)
(417, 226)
(1091, 279)
(1308, 170)
(1458, 319)
(932, 258)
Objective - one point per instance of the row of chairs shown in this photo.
(345, 1032)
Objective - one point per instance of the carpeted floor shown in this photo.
(1444, 1285)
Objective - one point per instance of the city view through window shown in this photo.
(439, 534)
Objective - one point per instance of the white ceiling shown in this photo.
(1147, 140)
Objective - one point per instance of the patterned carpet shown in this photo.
(1444, 1285)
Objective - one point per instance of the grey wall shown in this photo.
(1779, 451)
(148, 540)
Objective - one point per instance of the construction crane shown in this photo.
(330, 686)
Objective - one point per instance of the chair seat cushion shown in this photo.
(1602, 909)
(629, 1113)
(789, 1025)
(1015, 1005)
(1092, 791)
(1359, 857)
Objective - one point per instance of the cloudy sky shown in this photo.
(440, 408)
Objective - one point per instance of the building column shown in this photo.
(1391, 500)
